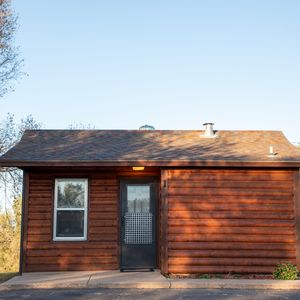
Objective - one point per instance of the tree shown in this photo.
(10, 226)
(10, 63)
(10, 134)
(10, 188)
(81, 126)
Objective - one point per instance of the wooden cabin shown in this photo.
(182, 201)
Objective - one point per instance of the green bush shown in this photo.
(285, 272)
(204, 276)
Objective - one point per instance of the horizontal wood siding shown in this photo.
(222, 221)
(99, 252)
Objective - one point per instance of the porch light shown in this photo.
(138, 168)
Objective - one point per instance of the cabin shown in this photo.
(181, 201)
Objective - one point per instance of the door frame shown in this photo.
(140, 180)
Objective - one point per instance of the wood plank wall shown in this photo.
(101, 250)
(222, 221)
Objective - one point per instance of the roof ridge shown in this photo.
(156, 130)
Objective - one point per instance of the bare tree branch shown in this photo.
(10, 134)
(10, 63)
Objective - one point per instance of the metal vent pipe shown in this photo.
(209, 129)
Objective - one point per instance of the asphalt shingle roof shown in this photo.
(153, 147)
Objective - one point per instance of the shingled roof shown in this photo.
(150, 148)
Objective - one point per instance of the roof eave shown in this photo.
(148, 163)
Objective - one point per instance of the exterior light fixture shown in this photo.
(138, 168)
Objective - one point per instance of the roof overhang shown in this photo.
(156, 163)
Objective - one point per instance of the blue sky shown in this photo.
(172, 64)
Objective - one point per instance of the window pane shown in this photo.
(70, 194)
(70, 223)
(138, 198)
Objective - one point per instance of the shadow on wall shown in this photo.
(238, 221)
(220, 220)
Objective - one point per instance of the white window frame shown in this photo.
(85, 209)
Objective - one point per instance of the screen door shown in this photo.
(138, 237)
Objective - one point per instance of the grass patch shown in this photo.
(7, 275)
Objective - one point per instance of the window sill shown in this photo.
(69, 239)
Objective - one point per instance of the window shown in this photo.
(70, 209)
(138, 198)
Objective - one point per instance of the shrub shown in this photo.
(204, 276)
(285, 271)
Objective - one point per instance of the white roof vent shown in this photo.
(209, 130)
(147, 127)
(272, 153)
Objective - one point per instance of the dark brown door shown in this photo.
(138, 224)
